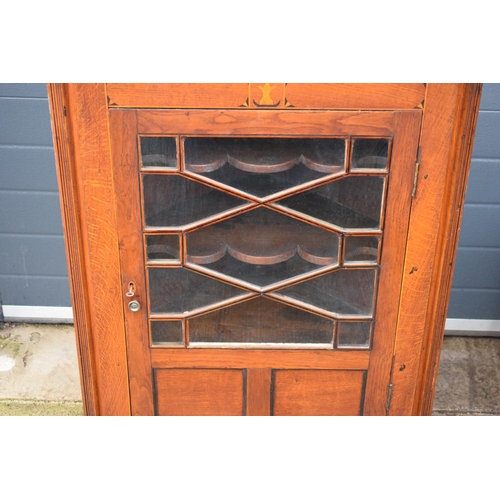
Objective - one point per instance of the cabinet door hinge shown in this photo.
(389, 397)
(415, 180)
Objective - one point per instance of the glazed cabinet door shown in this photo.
(261, 257)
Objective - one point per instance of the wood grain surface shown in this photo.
(392, 96)
(404, 152)
(259, 392)
(317, 392)
(73, 238)
(431, 237)
(87, 113)
(200, 392)
(283, 96)
(265, 123)
(254, 358)
(177, 95)
(449, 233)
(435, 160)
(123, 135)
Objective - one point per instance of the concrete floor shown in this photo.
(39, 370)
(39, 373)
(469, 377)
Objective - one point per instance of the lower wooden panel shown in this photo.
(184, 392)
(200, 392)
(318, 392)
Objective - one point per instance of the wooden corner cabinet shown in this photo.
(261, 249)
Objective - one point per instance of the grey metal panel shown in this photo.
(34, 212)
(474, 304)
(476, 283)
(487, 141)
(32, 255)
(25, 122)
(23, 90)
(27, 168)
(484, 182)
(35, 291)
(477, 268)
(28, 255)
(490, 98)
(480, 226)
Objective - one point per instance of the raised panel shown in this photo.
(488, 128)
(28, 122)
(480, 226)
(35, 290)
(317, 392)
(200, 392)
(30, 213)
(484, 179)
(466, 303)
(490, 98)
(23, 90)
(477, 268)
(27, 169)
(29, 255)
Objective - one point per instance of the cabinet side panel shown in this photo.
(74, 248)
(449, 232)
(87, 114)
(431, 197)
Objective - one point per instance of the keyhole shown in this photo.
(131, 289)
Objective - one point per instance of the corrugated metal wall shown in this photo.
(32, 256)
(32, 261)
(476, 283)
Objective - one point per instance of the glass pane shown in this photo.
(172, 201)
(361, 249)
(163, 248)
(262, 167)
(347, 292)
(354, 334)
(159, 152)
(350, 202)
(262, 247)
(178, 291)
(370, 153)
(261, 320)
(167, 333)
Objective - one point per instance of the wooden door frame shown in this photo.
(80, 127)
